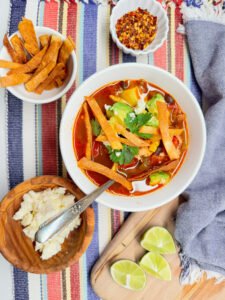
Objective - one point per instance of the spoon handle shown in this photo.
(56, 224)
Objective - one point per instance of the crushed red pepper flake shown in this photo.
(137, 29)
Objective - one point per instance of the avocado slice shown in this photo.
(119, 111)
(152, 108)
(159, 178)
(131, 96)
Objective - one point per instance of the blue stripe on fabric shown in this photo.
(15, 147)
(128, 58)
(89, 67)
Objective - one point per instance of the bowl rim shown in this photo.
(130, 50)
(88, 215)
(101, 199)
(67, 87)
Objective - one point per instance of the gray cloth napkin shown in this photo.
(200, 224)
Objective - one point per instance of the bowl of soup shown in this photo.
(138, 125)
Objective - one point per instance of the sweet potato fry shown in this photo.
(18, 46)
(164, 129)
(103, 138)
(10, 49)
(66, 50)
(44, 40)
(9, 64)
(14, 79)
(106, 127)
(51, 54)
(88, 131)
(26, 29)
(90, 165)
(31, 64)
(58, 81)
(40, 77)
(50, 78)
(172, 165)
(133, 138)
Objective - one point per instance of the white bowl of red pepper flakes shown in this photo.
(138, 26)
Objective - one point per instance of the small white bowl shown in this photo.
(195, 121)
(47, 96)
(155, 9)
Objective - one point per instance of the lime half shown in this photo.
(156, 265)
(128, 274)
(158, 240)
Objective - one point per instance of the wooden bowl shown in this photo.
(18, 249)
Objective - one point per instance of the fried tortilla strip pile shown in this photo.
(18, 46)
(103, 138)
(26, 29)
(66, 50)
(10, 49)
(9, 64)
(133, 138)
(172, 165)
(90, 165)
(50, 78)
(44, 40)
(88, 149)
(106, 127)
(31, 64)
(39, 78)
(164, 129)
(14, 79)
(51, 54)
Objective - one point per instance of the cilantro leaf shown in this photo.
(96, 128)
(124, 156)
(135, 122)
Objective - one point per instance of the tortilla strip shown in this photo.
(14, 79)
(51, 77)
(164, 129)
(118, 99)
(9, 64)
(39, 78)
(106, 127)
(156, 131)
(52, 85)
(44, 40)
(26, 29)
(103, 138)
(31, 64)
(88, 131)
(58, 81)
(10, 49)
(90, 165)
(133, 138)
(66, 50)
(51, 54)
(171, 165)
(18, 46)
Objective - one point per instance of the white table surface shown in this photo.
(6, 278)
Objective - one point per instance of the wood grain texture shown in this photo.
(126, 245)
(19, 249)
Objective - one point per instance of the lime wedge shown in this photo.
(158, 240)
(128, 274)
(156, 265)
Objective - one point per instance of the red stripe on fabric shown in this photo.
(160, 57)
(75, 281)
(117, 219)
(179, 66)
(49, 143)
(71, 31)
(49, 134)
(116, 54)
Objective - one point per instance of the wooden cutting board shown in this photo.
(125, 245)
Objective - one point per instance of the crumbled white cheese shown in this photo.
(140, 107)
(106, 143)
(107, 106)
(36, 208)
(132, 115)
(118, 154)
